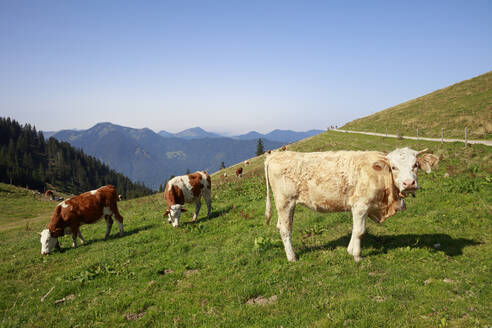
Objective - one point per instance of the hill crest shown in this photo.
(464, 104)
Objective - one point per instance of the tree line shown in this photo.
(27, 159)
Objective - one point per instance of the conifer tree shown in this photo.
(259, 148)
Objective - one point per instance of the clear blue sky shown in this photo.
(231, 66)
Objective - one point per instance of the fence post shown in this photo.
(442, 135)
(466, 136)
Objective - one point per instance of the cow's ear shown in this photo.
(166, 212)
(427, 161)
(379, 165)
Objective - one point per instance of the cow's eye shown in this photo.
(394, 168)
(415, 165)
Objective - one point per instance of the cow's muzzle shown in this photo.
(402, 206)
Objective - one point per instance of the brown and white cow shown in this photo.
(367, 183)
(85, 208)
(239, 172)
(187, 189)
(49, 194)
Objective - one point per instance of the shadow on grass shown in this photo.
(213, 215)
(382, 244)
(111, 236)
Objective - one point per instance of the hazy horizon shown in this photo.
(193, 127)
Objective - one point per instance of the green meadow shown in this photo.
(429, 266)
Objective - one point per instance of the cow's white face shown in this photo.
(48, 243)
(404, 168)
(175, 213)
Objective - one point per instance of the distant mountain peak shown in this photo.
(196, 132)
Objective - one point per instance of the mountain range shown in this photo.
(151, 158)
(284, 136)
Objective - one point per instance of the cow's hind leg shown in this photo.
(119, 218)
(109, 225)
(359, 214)
(198, 205)
(208, 200)
(284, 224)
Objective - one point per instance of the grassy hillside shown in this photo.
(429, 266)
(465, 104)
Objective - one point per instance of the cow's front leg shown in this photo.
(198, 205)
(74, 237)
(109, 225)
(81, 238)
(359, 214)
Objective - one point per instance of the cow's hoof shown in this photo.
(357, 258)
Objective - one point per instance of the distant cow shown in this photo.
(49, 194)
(239, 172)
(284, 148)
(368, 183)
(246, 162)
(85, 208)
(268, 152)
(187, 189)
(224, 174)
(120, 197)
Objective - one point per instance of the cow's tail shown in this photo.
(268, 208)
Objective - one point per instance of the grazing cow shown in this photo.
(49, 194)
(284, 148)
(120, 197)
(368, 183)
(224, 174)
(246, 162)
(85, 208)
(187, 189)
(239, 172)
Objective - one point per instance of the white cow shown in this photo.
(368, 183)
